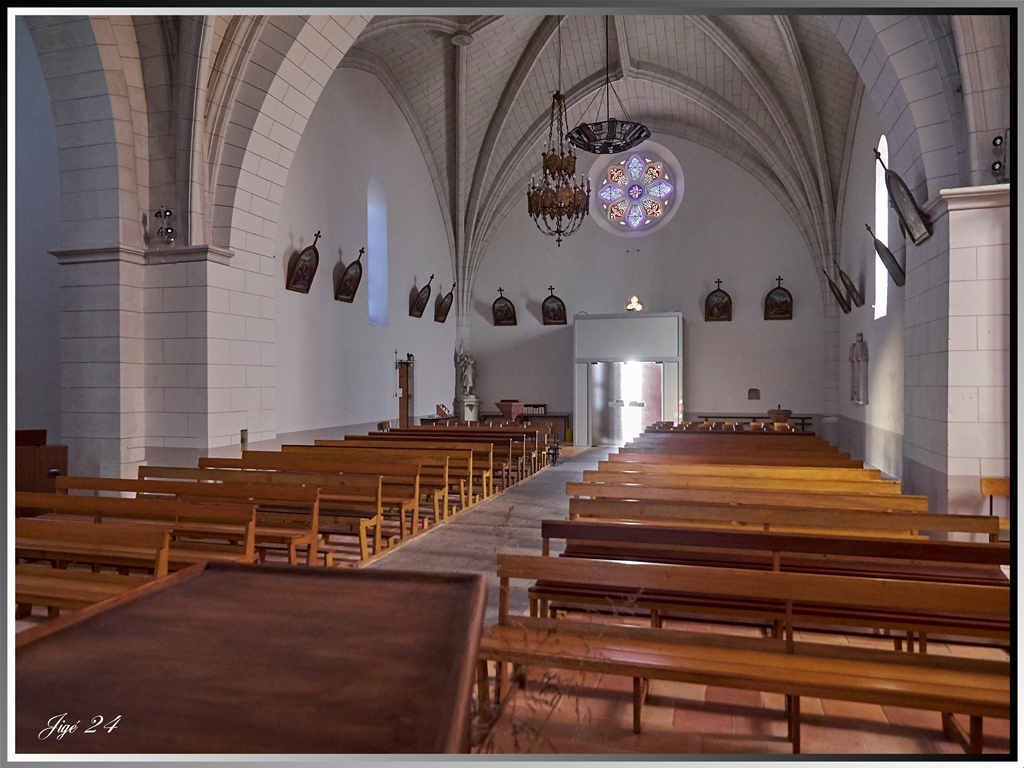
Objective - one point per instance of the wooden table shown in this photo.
(225, 658)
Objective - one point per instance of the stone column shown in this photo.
(102, 360)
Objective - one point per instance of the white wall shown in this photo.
(36, 286)
(333, 367)
(730, 227)
(874, 431)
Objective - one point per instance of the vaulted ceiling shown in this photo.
(776, 94)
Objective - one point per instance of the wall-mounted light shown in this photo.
(166, 231)
(634, 304)
(1000, 166)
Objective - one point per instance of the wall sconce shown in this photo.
(1000, 170)
(166, 232)
(634, 304)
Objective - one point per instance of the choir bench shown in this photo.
(944, 684)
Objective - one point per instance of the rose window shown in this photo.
(636, 192)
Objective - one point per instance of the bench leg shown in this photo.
(377, 524)
(293, 556)
(972, 742)
(655, 620)
(640, 688)
(483, 692)
(910, 642)
(499, 680)
(793, 716)
(52, 612)
(364, 550)
(533, 607)
(922, 642)
(311, 552)
(22, 611)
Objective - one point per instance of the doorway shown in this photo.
(624, 398)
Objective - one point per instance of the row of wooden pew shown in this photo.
(777, 530)
(304, 503)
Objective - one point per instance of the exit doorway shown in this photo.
(624, 398)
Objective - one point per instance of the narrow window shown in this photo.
(881, 230)
(377, 251)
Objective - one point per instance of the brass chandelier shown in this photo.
(560, 203)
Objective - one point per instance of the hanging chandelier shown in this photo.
(560, 202)
(609, 136)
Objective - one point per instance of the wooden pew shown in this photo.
(625, 473)
(944, 684)
(200, 531)
(401, 482)
(785, 519)
(632, 463)
(479, 467)
(274, 524)
(349, 502)
(740, 496)
(760, 458)
(436, 466)
(921, 560)
(61, 543)
(525, 445)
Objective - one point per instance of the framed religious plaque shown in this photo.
(444, 306)
(503, 310)
(349, 283)
(303, 269)
(421, 300)
(553, 309)
(778, 304)
(718, 305)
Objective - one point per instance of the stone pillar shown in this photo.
(978, 404)
(102, 360)
(957, 350)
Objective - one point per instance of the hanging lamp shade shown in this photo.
(608, 136)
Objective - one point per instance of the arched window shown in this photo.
(377, 251)
(881, 230)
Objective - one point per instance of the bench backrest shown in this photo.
(761, 515)
(626, 463)
(849, 591)
(660, 537)
(181, 516)
(90, 535)
(765, 458)
(788, 498)
(622, 473)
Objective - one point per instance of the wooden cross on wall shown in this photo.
(718, 284)
(779, 278)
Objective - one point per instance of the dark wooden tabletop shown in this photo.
(225, 658)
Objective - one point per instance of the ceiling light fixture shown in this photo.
(609, 136)
(560, 203)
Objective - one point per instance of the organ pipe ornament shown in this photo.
(889, 260)
(914, 223)
(560, 203)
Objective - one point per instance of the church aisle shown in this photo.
(507, 523)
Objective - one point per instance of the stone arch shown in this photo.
(898, 64)
(94, 77)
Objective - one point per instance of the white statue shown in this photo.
(466, 367)
(859, 371)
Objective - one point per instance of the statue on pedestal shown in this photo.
(467, 404)
(859, 371)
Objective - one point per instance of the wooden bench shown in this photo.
(635, 463)
(760, 458)
(400, 485)
(99, 545)
(997, 486)
(944, 684)
(524, 445)
(200, 531)
(850, 522)
(349, 502)
(627, 473)
(938, 561)
(435, 476)
(741, 496)
(479, 467)
(274, 524)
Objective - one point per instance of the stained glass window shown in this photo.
(636, 191)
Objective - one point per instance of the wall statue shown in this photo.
(859, 371)
(466, 367)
